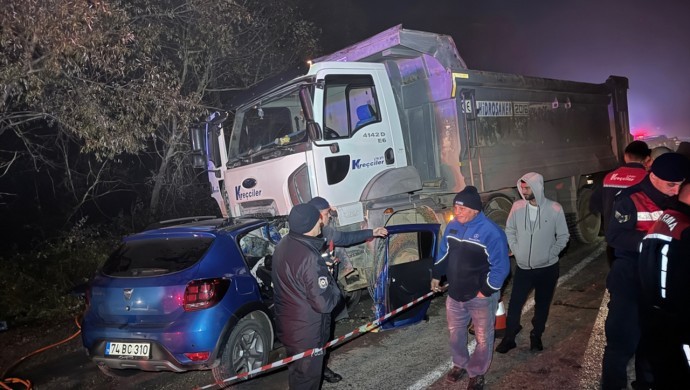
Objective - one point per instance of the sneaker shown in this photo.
(476, 383)
(535, 344)
(455, 374)
(506, 345)
(330, 376)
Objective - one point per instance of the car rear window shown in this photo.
(152, 257)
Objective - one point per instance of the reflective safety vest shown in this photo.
(624, 177)
(647, 211)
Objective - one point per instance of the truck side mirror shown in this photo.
(314, 130)
(197, 140)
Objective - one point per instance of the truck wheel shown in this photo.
(402, 249)
(246, 349)
(497, 209)
(584, 225)
(352, 298)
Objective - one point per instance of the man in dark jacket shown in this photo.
(665, 281)
(474, 259)
(304, 295)
(342, 238)
(338, 239)
(634, 212)
(636, 156)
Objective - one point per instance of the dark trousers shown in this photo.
(668, 338)
(543, 281)
(305, 374)
(622, 326)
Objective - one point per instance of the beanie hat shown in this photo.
(638, 148)
(468, 197)
(303, 218)
(670, 167)
(320, 203)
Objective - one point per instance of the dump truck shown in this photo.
(389, 129)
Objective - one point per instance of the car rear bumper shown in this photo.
(159, 360)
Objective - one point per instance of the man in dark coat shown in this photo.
(634, 212)
(304, 295)
(665, 281)
(336, 240)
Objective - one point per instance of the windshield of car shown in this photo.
(273, 122)
(156, 256)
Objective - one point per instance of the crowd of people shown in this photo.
(645, 204)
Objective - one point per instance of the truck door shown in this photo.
(357, 142)
(405, 272)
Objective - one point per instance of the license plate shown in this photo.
(128, 349)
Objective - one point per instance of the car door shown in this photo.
(404, 274)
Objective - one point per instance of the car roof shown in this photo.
(208, 224)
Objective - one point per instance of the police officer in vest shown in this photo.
(635, 210)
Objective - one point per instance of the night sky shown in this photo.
(581, 40)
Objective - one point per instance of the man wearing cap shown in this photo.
(336, 238)
(636, 156)
(635, 210)
(304, 295)
(665, 282)
(537, 233)
(474, 259)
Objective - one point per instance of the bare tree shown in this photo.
(106, 78)
(214, 48)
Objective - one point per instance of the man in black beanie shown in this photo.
(304, 295)
(635, 210)
(474, 259)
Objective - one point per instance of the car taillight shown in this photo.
(197, 356)
(202, 294)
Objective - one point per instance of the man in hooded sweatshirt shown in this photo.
(537, 233)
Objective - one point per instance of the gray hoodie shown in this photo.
(536, 244)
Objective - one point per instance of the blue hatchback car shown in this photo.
(192, 296)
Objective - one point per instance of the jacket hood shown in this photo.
(536, 182)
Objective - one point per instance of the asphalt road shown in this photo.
(415, 357)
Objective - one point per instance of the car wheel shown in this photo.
(247, 348)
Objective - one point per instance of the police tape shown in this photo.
(316, 351)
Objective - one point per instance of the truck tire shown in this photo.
(497, 209)
(583, 224)
(247, 348)
(352, 298)
(402, 248)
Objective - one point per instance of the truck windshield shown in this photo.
(273, 122)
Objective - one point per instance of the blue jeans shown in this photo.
(482, 311)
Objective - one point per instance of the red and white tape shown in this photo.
(317, 351)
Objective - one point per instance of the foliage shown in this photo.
(95, 100)
(99, 81)
(79, 66)
(36, 284)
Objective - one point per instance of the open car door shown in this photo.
(404, 272)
